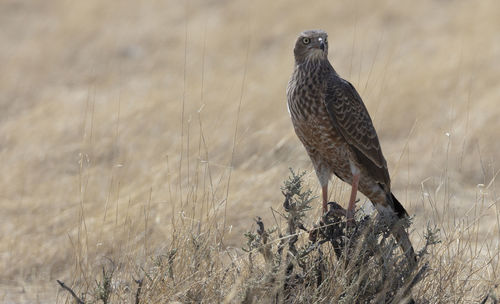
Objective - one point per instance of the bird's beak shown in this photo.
(322, 45)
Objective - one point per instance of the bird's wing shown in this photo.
(350, 119)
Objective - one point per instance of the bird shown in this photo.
(332, 122)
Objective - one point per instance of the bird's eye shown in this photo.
(326, 40)
(306, 40)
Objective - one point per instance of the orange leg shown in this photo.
(352, 200)
(325, 198)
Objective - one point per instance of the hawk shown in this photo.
(333, 124)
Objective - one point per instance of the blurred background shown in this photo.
(118, 118)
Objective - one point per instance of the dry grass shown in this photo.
(121, 139)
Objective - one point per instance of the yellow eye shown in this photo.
(306, 40)
(326, 40)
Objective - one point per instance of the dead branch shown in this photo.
(139, 289)
(77, 299)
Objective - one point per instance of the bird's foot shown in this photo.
(350, 218)
(334, 213)
(351, 210)
(335, 209)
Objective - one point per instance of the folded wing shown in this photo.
(350, 118)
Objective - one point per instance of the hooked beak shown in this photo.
(322, 45)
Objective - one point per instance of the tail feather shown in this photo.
(400, 233)
(398, 208)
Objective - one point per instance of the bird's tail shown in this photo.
(398, 208)
(400, 232)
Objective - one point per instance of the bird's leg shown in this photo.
(325, 198)
(352, 200)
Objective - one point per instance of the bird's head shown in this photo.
(311, 45)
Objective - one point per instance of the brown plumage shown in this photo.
(332, 122)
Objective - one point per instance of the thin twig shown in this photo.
(77, 299)
(139, 288)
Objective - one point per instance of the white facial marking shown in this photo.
(320, 39)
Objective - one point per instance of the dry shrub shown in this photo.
(331, 262)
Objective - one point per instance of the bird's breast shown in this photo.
(305, 100)
(311, 119)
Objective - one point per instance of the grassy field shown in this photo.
(125, 126)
